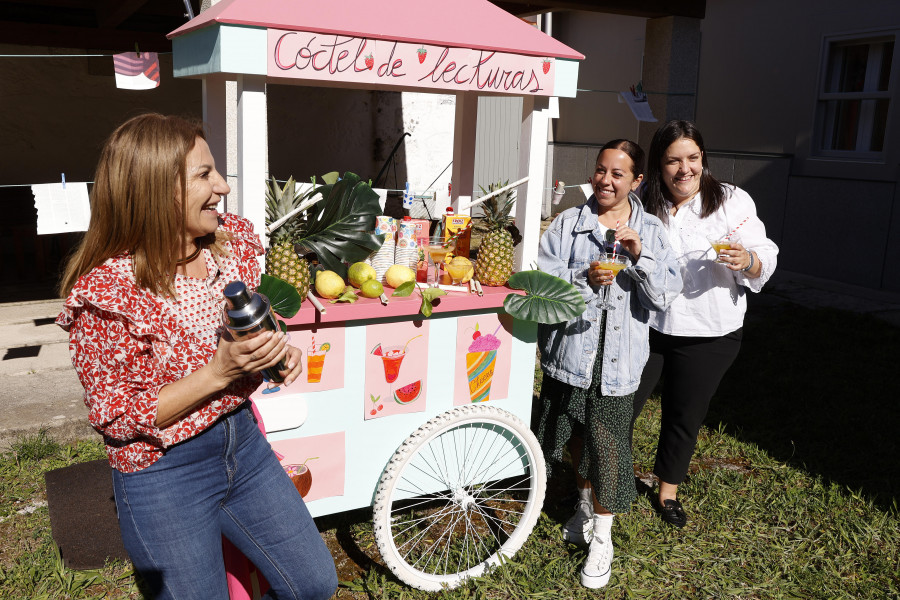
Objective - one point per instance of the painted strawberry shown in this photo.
(422, 54)
(370, 61)
(546, 65)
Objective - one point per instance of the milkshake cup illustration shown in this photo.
(315, 361)
(480, 361)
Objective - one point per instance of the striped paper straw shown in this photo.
(736, 228)
(616, 243)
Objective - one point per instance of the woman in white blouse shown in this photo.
(695, 341)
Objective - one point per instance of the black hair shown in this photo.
(634, 152)
(655, 193)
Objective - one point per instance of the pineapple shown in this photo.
(282, 260)
(494, 263)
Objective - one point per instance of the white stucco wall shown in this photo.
(428, 118)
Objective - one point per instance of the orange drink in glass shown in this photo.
(614, 263)
(438, 249)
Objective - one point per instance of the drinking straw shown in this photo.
(410, 339)
(736, 228)
(616, 243)
(316, 303)
(453, 237)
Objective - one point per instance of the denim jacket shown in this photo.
(566, 250)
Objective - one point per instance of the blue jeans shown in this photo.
(225, 481)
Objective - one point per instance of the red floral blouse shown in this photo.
(127, 343)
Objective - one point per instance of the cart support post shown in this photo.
(463, 175)
(215, 117)
(532, 162)
(252, 150)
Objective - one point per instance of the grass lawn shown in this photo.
(793, 491)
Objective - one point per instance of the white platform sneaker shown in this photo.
(598, 566)
(580, 528)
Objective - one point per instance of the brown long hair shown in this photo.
(133, 206)
(656, 194)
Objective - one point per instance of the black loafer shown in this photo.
(672, 513)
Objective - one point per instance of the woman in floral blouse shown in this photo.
(167, 387)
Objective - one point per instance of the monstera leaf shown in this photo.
(339, 227)
(548, 299)
(284, 298)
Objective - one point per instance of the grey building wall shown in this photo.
(755, 90)
(758, 87)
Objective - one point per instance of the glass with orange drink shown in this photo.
(614, 263)
(721, 242)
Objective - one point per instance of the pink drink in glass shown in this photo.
(391, 360)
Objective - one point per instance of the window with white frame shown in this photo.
(855, 96)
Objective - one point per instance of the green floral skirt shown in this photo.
(603, 422)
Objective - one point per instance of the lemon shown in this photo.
(359, 273)
(329, 284)
(371, 289)
(397, 275)
(462, 260)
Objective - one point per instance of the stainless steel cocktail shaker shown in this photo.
(247, 314)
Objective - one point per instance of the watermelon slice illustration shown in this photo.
(408, 393)
(377, 351)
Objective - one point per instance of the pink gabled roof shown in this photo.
(475, 24)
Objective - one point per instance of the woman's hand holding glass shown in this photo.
(730, 252)
(603, 271)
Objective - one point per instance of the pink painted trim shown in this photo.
(475, 24)
(371, 308)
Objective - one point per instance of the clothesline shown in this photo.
(65, 55)
(644, 91)
(12, 185)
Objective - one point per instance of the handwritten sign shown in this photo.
(341, 58)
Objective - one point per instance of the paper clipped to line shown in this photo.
(61, 207)
(136, 71)
(639, 106)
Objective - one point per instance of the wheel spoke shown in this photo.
(467, 485)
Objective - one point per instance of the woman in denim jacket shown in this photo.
(588, 389)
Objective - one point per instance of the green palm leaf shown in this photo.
(548, 299)
(339, 228)
(283, 296)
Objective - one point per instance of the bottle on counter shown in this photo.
(452, 225)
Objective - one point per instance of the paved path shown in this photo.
(39, 388)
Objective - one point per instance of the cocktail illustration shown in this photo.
(721, 242)
(480, 361)
(438, 249)
(614, 263)
(391, 359)
(315, 361)
(301, 476)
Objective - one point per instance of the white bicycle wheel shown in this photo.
(461, 493)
